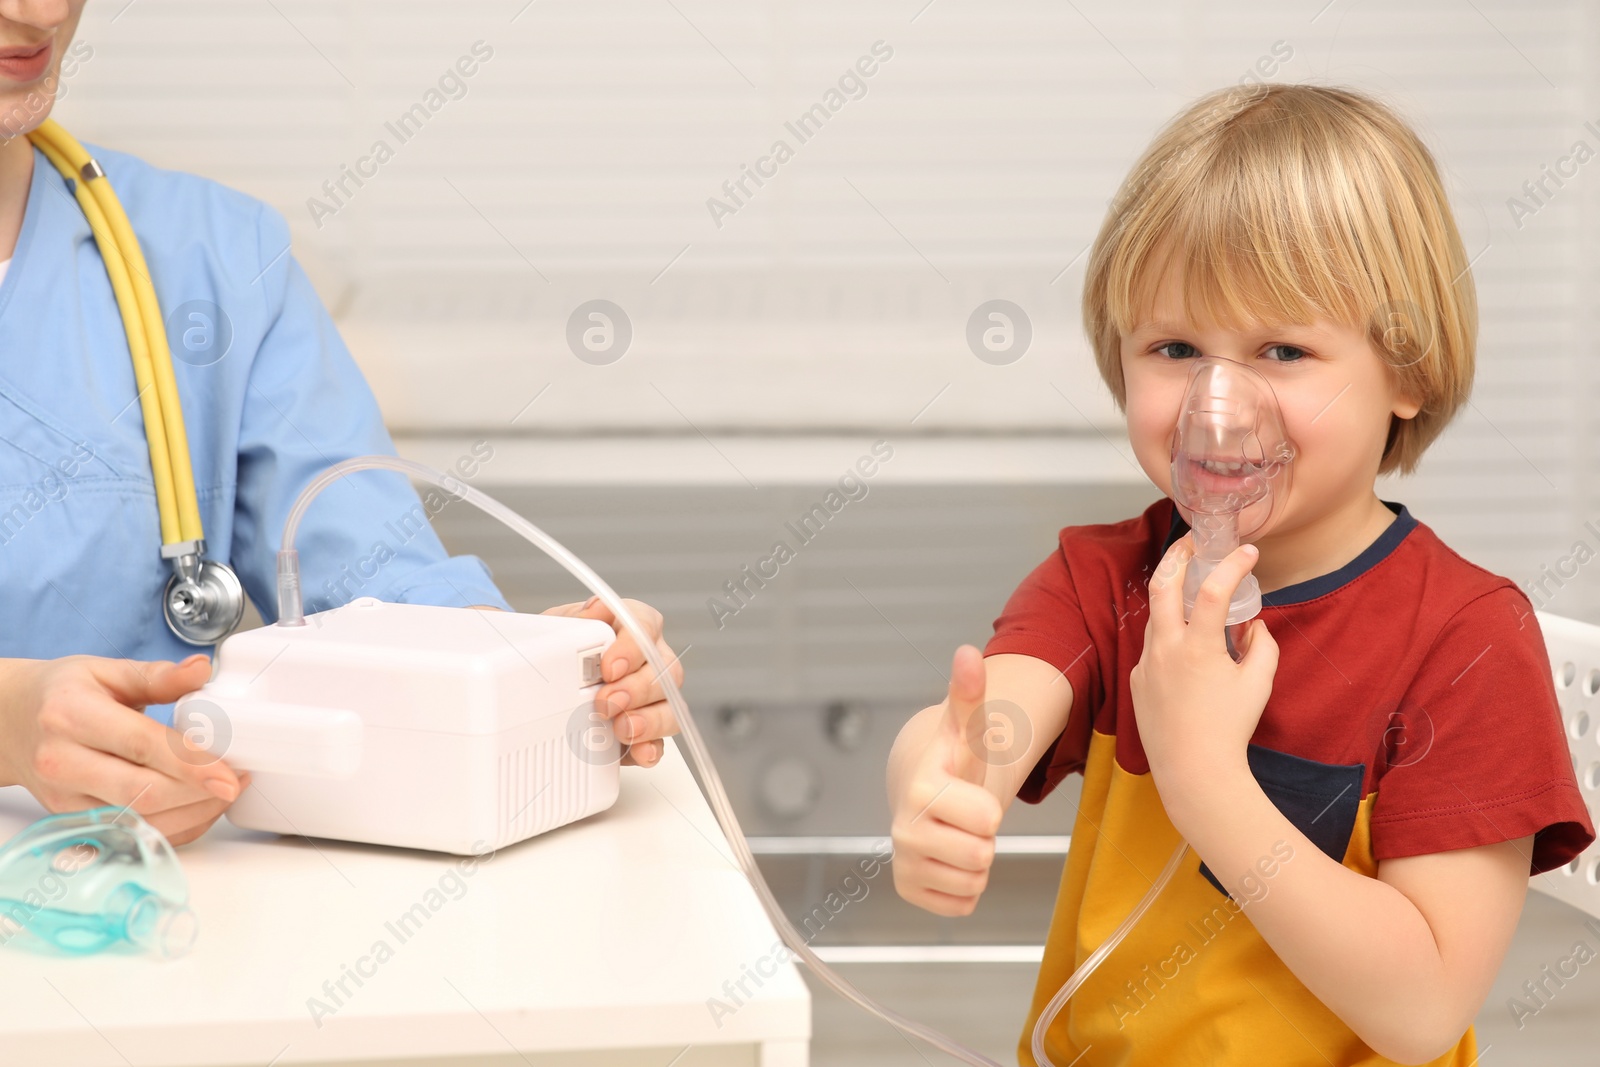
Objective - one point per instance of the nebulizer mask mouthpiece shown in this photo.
(1231, 463)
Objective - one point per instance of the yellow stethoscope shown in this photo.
(203, 599)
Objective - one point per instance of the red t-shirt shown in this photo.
(1413, 711)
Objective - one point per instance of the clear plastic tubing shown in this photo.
(1097, 957)
(291, 612)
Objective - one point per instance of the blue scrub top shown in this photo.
(80, 563)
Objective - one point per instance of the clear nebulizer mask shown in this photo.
(92, 881)
(1231, 464)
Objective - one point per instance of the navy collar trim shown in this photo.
(1324, 584)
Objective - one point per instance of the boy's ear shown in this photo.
(1395, 419)
(1406, 408)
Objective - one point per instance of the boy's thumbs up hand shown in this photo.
(944, 820)
(964, 716)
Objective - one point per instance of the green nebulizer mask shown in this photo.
(93, 881)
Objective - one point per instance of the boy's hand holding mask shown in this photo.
(1196, 709)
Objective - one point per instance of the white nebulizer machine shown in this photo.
(459, 730)
(402, 724)
(449, 729)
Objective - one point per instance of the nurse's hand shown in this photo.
(71, 732)
(632, 697)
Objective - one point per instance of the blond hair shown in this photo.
(1283, 203)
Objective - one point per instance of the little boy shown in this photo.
(1368, 790)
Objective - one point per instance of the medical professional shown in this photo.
(272, 398)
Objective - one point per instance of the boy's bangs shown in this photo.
(1248, 251)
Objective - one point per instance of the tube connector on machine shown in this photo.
(291, 611)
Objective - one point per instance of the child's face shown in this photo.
(1335, 393)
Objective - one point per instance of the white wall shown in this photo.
(976, 166)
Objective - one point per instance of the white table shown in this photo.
(598, 943)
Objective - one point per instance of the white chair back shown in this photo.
(1575, 658)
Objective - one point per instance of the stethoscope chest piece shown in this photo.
(203, 600)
